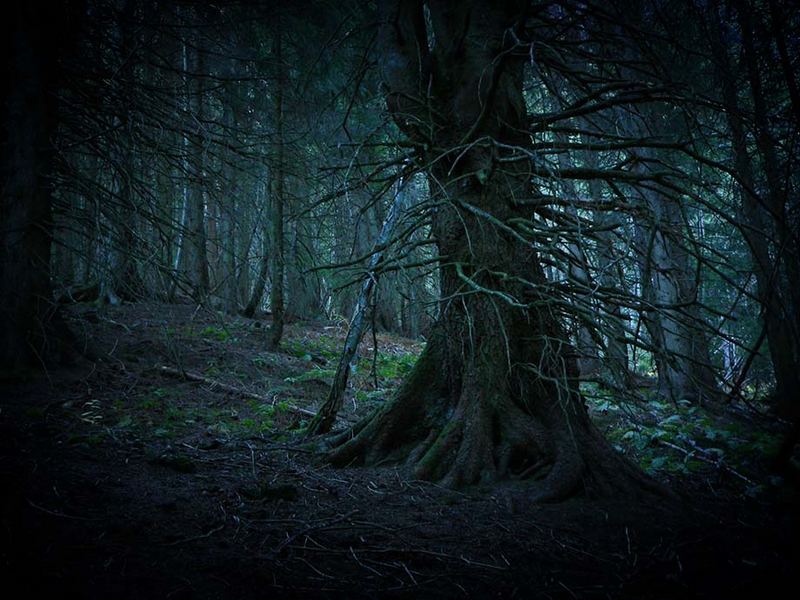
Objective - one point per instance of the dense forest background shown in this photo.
(490, 232)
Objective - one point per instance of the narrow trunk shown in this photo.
(230, 205)
(326, 416)
(679, 343)
(123, 282)
(256, 295)
(385, 305)
(276, 293)
(777, 17)
(670, 285)
(182, 92)
(303, 288)
(578, 273)
(195, 239)
(610, 276)
(352, 241)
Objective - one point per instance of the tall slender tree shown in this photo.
(278, 200)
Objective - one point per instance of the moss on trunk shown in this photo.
(494, 395)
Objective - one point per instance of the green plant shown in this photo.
(216, 333)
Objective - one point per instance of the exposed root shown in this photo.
(476, 431)
(484, 442)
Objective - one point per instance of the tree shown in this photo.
(326, 416)
(195, 251)
(276, 294)
(32, 330)
(494, 393)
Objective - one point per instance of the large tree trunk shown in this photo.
(30, 332)
(670, 284)
(494, 394)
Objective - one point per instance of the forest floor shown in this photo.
(122, 478)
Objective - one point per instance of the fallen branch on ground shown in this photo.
(214, 384)
(703, 455)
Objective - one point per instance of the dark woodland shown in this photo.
(400, 298)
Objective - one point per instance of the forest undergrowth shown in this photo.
(172, 464)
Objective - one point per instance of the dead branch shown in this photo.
(214, 384)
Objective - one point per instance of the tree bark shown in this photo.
(303, 288)
(757, 229)
(787, 275)
(612, 319)
(229, 209)
(276, 293)
(670, 285)
(123, 282)
(196, 251)
(494, 393)
(257, 294)
(32, 333)
(325, 418)
(578, 273)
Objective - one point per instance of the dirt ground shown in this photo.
(122, 479)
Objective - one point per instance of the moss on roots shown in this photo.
(481, 435)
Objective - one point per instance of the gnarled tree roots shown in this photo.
(483, 436)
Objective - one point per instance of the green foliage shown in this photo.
(372, 396)
(217, 333)
(150, 403)
(155, 399)
(261, 361)
(324, 347)
(679, 439)
(253, 425)
(645, 364)
(125, 422)
(299, 426)
(395, 366)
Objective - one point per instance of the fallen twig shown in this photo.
(306, 530)
(214, 384)
(194, 538)
(56, 513)
(700, 453)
